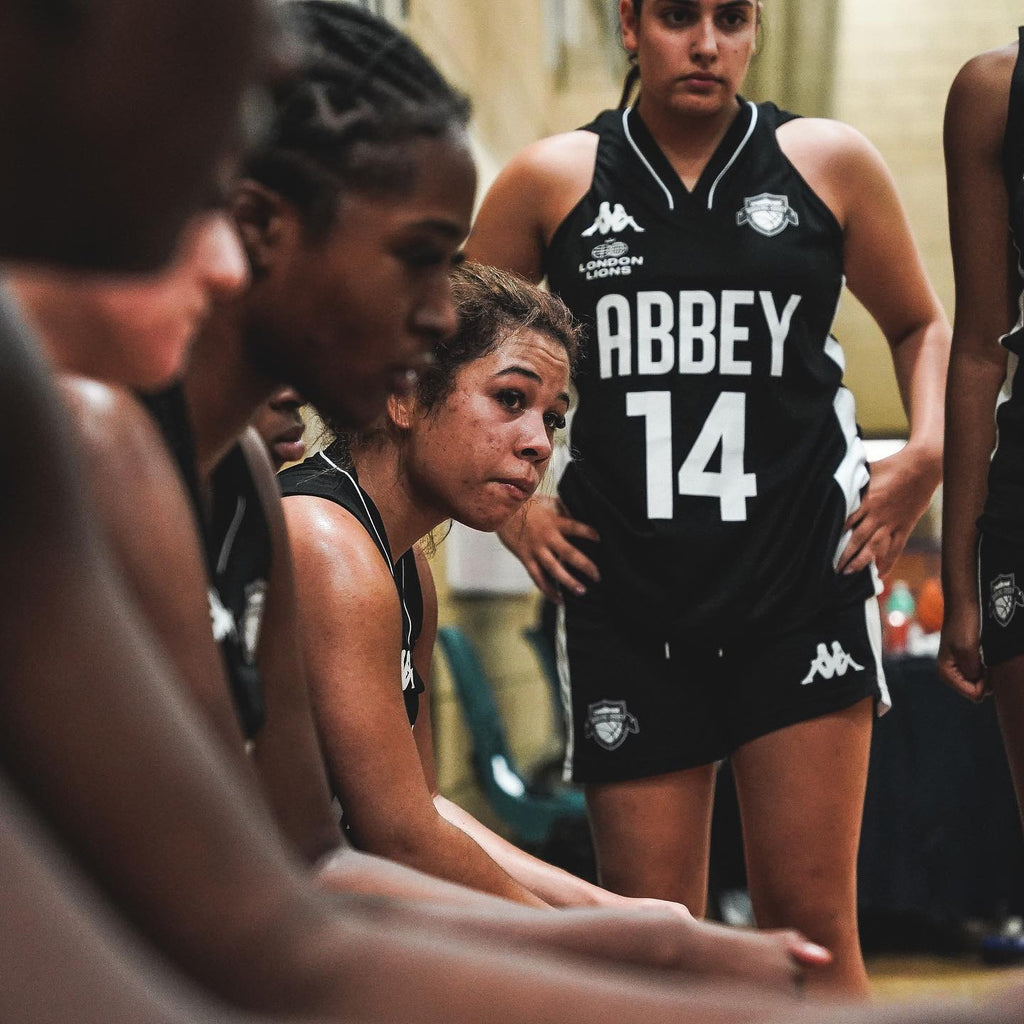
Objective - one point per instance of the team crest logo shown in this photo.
(609, 220)
(610, 250)
(767, 214)
(1005, 597)
(609, 723)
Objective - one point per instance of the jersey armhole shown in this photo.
(786, 117)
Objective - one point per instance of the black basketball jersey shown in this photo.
(238, 550)
(1004, 507)
(321, 477)
(715, 448)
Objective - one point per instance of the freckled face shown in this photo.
(479, 454)
(693, 54)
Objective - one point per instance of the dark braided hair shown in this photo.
(362, 91)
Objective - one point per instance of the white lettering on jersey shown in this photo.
(609, 220)
(408, 680)
(706, 332)
(828, 666)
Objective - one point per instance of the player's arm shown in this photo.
(529, 199)
(554, 886)
(154, 537)
(850, 175)
(351, 629)
(983, 269)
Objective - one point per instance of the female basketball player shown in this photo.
(495, 393)
(982, 544)
(718, 508)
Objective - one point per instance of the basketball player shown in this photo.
(982, 544)
(727, 608)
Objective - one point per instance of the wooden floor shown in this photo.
(899, 978)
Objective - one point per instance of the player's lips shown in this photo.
(521, 487)
(701, 78)
(289, 446)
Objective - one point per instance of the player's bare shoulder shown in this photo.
(836, 160)
(979, 98)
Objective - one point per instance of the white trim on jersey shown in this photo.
(1006, 391)
(565, 690)
(380, 541)
(229, 537)
(721, 174)
(873, 623)
(851, 474)
(644, 160)
(736, 154)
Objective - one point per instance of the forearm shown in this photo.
(430, 844)
(974, 383)
(348, 870)
(553, 885)
(920, 359)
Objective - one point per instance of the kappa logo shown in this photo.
(609, 723)
(1005, 597)
(767, 214)
(224, 624)
(829, 665)
(609, 220)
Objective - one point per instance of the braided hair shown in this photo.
(363, 90)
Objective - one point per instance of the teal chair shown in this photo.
(528, 813)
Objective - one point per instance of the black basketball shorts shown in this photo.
(1000, 599)
(641, 706)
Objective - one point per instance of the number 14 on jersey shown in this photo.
(724, 428)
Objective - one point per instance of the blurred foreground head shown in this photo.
(114, 114)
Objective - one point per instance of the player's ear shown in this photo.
(400, 410)
(629, 23)
(265, 221)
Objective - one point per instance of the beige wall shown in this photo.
(895, 62)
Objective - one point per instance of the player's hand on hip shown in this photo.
(540, 536)
(896, 498)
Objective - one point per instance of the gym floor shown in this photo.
(901, 977)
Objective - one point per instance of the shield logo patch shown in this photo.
(767, 214)
(1005, 597)
(609, 723)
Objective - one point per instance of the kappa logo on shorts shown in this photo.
(829, 665)
(767, 214)
(609, 723)
(609, 220)
(1005, 597)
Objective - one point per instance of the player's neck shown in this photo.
(406, 518)
(688, 141)
(221, 389)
